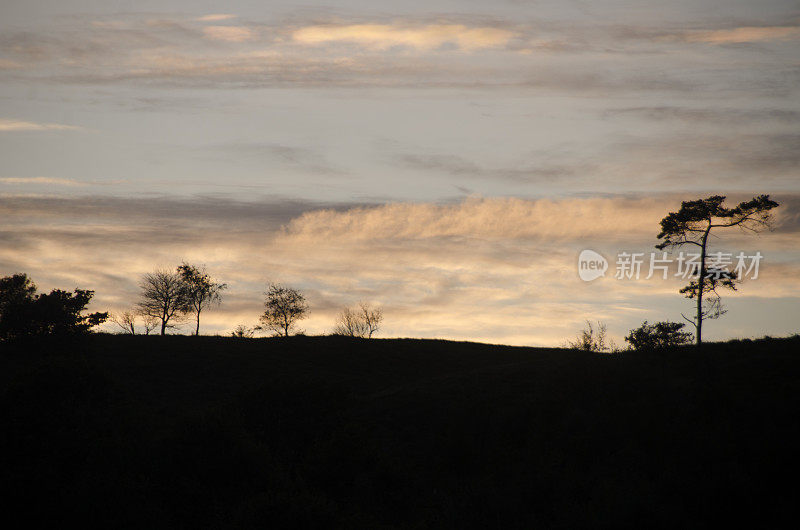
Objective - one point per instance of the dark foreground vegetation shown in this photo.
(332, 432)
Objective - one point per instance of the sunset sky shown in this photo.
(446, 160)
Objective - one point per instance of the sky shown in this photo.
(446, 160)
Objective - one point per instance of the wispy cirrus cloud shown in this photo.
(462, 51)
(303, 158)
(462, 167)
(7, 64)
(229, 33)
(50, 181)
(706, 114)
(20, 125)
(423, 37)
(744, 34)
(215, 17)
(482, 218)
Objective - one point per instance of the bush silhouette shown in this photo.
(23, 312)
(658, 335)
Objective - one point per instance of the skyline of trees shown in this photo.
(168, 297)
(61, 312)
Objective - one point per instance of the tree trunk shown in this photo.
(701, 282)
(699, 317)
(163, 327)
(197, 329)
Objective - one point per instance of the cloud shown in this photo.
(718, 31)
(460, 166)
(259, 216)
(304, 158)
(744, 34)
(42, 180)
(351, 51)
(778, 152)
(384, 36)
(265, 68)
(498, 218)
(18, 125)
(707, 114)
(774, 156)
(215, 17)
(229, 33)
(6, 64)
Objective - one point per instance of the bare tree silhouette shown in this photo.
(372, 317)
(126, 321)
(149, 323)
(164, 297)
(594, 339)
(363, 321)
(243, 332)
(350, 323)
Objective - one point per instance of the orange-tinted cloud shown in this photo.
(229, 33)
(427, 37)
(42, 180)
(745, 34)
(19, 125)
(214, 17)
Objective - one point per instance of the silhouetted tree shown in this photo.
(372, 316)
(243, 332)
(201, 290)
(149, 323)
(23, 312)
(361, 322)
(126, 321)
(350, 324)
(591, 339)
(658, 335)
(60, 312)
(130, 321)
(692, 225)
(17, 293)
(164, 297)
(284, 307)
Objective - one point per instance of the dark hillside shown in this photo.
(327, 432)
